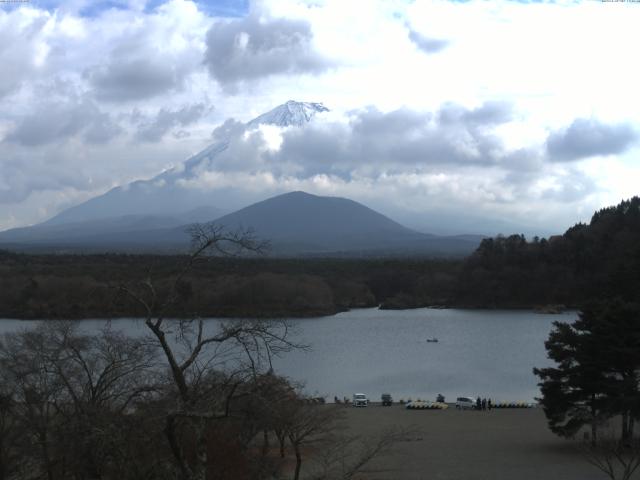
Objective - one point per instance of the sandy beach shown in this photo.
(503, 444)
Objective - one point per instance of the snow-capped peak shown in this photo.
(290, 113)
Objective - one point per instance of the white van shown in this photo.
(360, 400)
(463, 403)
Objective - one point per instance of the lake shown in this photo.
(489, 353)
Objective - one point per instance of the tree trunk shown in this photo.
(298, 453)
(625, 428)
(281, 440)
(176, 371)
(594, 422)
(170, 433)
(199, 469)
(296, 449)
(265, 443)
(2, 467)
(45, 453)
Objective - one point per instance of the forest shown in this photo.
(596, 260)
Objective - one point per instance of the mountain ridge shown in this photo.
(162, 194)
(153, 214)
(296, 224)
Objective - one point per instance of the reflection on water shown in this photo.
(479, 352)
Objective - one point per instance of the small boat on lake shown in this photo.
(432, 340)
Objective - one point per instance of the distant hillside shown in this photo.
(119, 232)
(296, 224)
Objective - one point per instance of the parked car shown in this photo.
(463, 403)
(387, 400)
(360, 400)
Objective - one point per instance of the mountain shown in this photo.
(154, 214)
(289, 114)
(102, 231)
(165, 193)
(295, 224)
(309, 222)
(301, 223)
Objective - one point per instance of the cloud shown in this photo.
(251, 48)
(588, 138)
(166, 120)
(369, 144)
(399, 140)
(132, 79)
(154, 55)
(57, 172)
(44, 174)
(22, 48)
(53, 121)
(452, 158)
(412, 148)
(231, 128)
(488, 114)
(569, 187)
(427, 44)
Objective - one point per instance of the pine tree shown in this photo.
(596, 376)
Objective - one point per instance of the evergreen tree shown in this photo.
(596, 377)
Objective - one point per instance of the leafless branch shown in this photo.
(615, 458)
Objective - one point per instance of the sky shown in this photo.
(449, 116)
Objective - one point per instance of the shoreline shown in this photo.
(309, 316)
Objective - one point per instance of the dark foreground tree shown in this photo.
(68, 402)
(211, 365)
(618, 460)
(596, 377)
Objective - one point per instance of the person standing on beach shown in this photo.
(489, 404)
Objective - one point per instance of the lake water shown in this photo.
(480, 352)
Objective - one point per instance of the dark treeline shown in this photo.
(84, 286)
(598, 259)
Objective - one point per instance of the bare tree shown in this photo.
(192, 349)
(102, 377)
(72, 395)
(309, 424)
(35, 392)
(317, 436)
(347, 456)
(9, 434)
(616, 458)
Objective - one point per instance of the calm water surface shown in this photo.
(480, 352)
